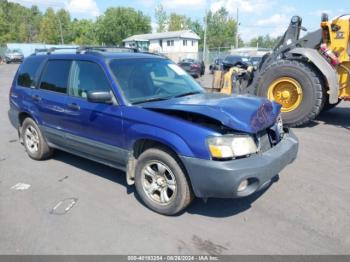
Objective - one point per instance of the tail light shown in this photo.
(195, 66)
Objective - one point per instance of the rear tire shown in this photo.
(161, 182)
(34, 141)
(313, 95)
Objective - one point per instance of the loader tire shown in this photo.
(297, 86)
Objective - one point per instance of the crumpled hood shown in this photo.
(243, 113)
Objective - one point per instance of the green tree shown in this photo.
(49, 28)
(264, 41)
(55, 27)
(4, 26)
(83, 32)
(28, 29)
(64, 23)
(14, 21)
(161, 18)
(222, 29)
(33, 24)
(197, 28)
(177, 22)
(119, 23)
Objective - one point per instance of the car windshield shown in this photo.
(143, 80)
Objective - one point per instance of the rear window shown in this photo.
(28, 70)
(55, 76)
(232, 59)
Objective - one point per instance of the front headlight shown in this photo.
(230, 146)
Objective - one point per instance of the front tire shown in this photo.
(295, 85)
(161, 182)
(34, 141)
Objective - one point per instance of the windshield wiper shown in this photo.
(187, 94)
(154, 99)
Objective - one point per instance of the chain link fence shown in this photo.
(208, 58)
(215, 53)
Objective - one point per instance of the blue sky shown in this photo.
(257, 17)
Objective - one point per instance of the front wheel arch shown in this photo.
(141, 146)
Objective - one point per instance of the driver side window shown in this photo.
(85, 77)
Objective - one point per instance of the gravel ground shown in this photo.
(305, 212)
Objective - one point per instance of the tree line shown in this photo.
(221, 29)
(29, 25)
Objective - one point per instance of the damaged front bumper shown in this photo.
(222, 178)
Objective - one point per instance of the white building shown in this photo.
(177, 45)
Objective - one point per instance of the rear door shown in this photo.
(93, 128)
(50, 98)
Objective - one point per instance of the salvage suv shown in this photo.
(143, 114)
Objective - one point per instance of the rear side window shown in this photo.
(28, 71)
(55, 76)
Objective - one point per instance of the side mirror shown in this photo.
(101, 97)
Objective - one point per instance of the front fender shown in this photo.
(326, 69)
(141, 131)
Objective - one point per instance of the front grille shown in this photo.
(264, 142)
(267, 139)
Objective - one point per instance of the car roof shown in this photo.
(98, 54)
(233, 56)
(190, 60)
(120, 55)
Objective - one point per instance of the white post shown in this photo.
(60, 24)
(205, 33)
(237, 30)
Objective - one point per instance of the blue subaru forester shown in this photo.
(143, 114)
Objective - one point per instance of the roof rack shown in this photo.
(82, 49)
(106, 49)
(94, 50)
(52, 49)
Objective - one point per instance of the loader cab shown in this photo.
(336, 34)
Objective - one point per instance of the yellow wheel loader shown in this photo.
(305, 75)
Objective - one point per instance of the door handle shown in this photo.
(74, 106)
(36, 98)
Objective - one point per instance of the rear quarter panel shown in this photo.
(19, 100)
